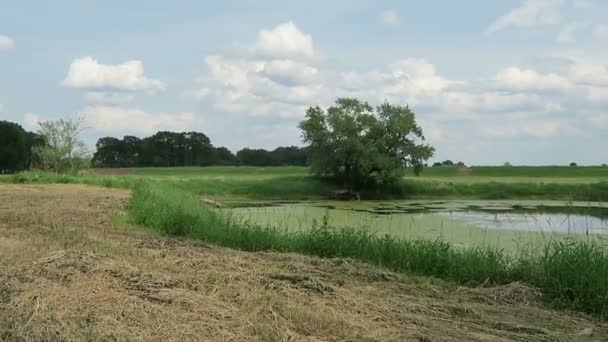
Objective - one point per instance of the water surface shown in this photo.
(502, 223)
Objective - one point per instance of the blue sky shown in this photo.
(524, 81)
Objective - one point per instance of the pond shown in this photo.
(505, 224)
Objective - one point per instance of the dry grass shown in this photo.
(70, 270)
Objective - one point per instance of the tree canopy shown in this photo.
(361, 146)
(186, 149)
(15, 147)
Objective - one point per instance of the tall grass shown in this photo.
(570, 274)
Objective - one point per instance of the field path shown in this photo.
(72, 269)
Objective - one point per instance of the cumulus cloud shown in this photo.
(597, 94)
(108, 97)
(391, 18)
(516, 101)
(600, 32)
(531, 13)
(600, 120)
(88, 73)
(510, 128)
(6, 43)
(526, 79)
(568, 33)
(589, 73)
(111, 119)
(285, 40)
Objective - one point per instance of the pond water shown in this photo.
(503, 223)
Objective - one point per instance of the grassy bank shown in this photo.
(275, 186)
(570, 274)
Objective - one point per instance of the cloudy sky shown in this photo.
(524, 81)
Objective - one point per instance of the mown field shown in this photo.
(570, 273)
(73, 268)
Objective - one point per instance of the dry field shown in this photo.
(71, 269)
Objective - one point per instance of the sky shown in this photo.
(519, 81)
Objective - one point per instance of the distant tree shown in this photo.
(361, 147)
(604, 165)
(254, 157)
(132, 151)
(437, 164)
(109, 152)
(223, 156)
(507, 164)
(186, 149)
(460, 164)
(14, 147)
(448, 163)
(290, 155)
(573, 164)
(63, 150)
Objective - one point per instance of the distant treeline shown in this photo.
(186, 149)
(16, 147)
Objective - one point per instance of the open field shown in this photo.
(68, 257)
(294, 183)
(514, 174)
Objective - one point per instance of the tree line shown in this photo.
(172, 149)
(16, 147)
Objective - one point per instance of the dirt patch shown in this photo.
(70, 270)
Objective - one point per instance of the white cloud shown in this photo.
(600, 120)
(108, 97)
(537, 128)
(6, 43)
(432, 130)
(568, 33)
(88, 73)
(111, 119)
(285, 40)
(290, 72)
(391, 18)
(531, 13)
(251, 87)
(600, 32)
(31, 120)
(597, 94)
(515, 102)
(526, 79)
(589, 73)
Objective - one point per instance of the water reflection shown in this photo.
(543, 222)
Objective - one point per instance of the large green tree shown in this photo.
(364, 147)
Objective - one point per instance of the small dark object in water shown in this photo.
(345, 195)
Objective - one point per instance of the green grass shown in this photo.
(275, 185)
(517, 171)
(593, 172)
(571, 274)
